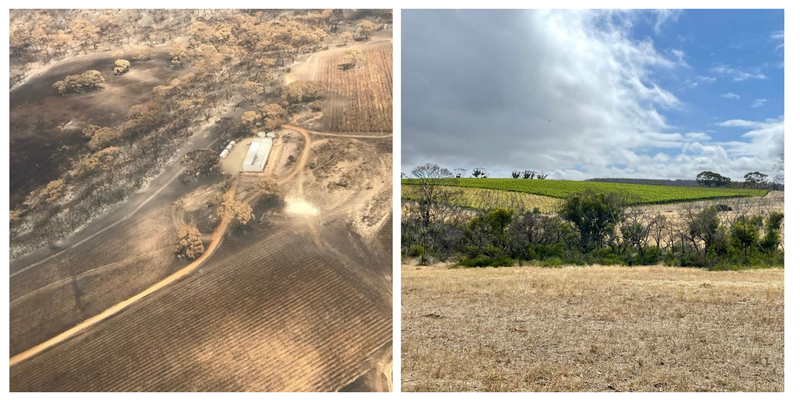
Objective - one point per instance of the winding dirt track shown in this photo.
(303, 156)
(215, 242)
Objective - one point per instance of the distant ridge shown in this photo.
(670, 182)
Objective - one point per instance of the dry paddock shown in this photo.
(591, 329)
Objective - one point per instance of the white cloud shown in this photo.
(777, 35)
(739, 123)
(663, 16)
(701, 136)
(758, 103)
(739, 74)
(679, 57)
(731, 96)
(570, 92)
(697, 81)
(765, 140)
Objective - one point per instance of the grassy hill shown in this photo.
(642, 194)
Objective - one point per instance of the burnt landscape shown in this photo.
(145, 256)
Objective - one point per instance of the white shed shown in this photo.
(257, 155)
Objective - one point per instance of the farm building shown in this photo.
(257, 155)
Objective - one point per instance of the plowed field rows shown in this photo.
(487, 199)
(385, 236)
(276, 316)
(360, 100)
(83, 281)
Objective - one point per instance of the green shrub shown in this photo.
(414, 251)
(552, 262)
(485, 261)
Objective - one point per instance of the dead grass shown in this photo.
(591, 329)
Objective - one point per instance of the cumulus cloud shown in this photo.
(758, 103)
(730, 95)
(739, 75)
(764, 139)
(571, 92)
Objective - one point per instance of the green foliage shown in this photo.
(597, 228)
(552, 262)
(709, 178)
(594, 214)
(415, 250)
(772, 236)
(745, 233)
(485, 261)
(643, 194)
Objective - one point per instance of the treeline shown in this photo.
(589, 228)
(48, 35)
(686, 183)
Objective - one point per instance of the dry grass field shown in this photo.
(592, 329)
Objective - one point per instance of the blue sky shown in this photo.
(749, 41)
(594, 93)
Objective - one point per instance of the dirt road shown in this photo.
(213, 245)
(122, 212)
(215, 241)
(301, 162)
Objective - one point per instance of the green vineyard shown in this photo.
(640, 194)
(486, 199)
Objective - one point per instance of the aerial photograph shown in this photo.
(201, 200)
(592, 201)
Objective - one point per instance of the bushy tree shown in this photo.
(595, 215)
(710, 178)
(353, 59)
(346, 37)
(235, 211)
(90, 79)
(190, 243)
(121, 66)
(299, 92)
(756, 179)
(488, 234)
(200, 162)
(103, 160)
(745, 232)
(100, 137)
(480, 172)
(273, 115)
(772, 234)
(366, 28)
(705, 227)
